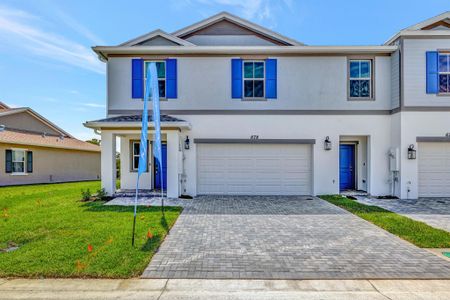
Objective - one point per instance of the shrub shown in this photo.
(86, 195)
(101, 194)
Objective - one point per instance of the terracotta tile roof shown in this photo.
(22, 137)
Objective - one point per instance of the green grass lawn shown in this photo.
(54, 230)
(418, 233)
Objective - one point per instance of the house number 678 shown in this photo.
(254, 137)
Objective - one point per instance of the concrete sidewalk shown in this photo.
(160, 289)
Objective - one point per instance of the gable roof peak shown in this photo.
(224, 15)
(155, 33)
(3, 106)
(419, 26)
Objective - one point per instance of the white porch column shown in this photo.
(172, 164)
(108, 162)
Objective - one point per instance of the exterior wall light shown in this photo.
(327, 144)
(411, 152)
(186, 143)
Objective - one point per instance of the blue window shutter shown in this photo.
(171, 78)
(271, 78)
(29, 162)
(137, 78)
(8, 161)
(236, 78)
(432, 72)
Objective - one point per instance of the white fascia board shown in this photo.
(417, 33)
(419, 26)
(105, 125)
(237, 50)
(152, 34)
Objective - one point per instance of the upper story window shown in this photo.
(18, 161)
(360, 79)
(253, 79)
(161, 70)
(444, 73)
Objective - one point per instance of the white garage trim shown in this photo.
(434, 169)
(254, 169)
(255, 141)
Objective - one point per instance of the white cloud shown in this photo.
(93, 105)
(250, 9)
(23, 31)
(77, 27)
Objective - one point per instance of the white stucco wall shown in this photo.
(303, 83)
(326, 163)
(129, 177)
(414, 124)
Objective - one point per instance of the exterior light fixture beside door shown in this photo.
(327, 144)
(186, 143)
(411, 152)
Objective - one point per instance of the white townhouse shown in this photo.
(249, 111)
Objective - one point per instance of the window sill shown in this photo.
(254, 99)
(361, 99)
(19, 174)
(443, 94)
(160, 99)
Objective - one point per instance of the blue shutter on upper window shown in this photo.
(171, 78)
(236, 78)
(271, 78)
(432, 72)
(137, 78)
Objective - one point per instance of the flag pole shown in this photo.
(135, 210)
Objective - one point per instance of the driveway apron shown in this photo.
(284, 237)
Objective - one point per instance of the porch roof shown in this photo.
(133, 121)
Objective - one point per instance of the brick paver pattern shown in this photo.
(293, 237)
(433, 211)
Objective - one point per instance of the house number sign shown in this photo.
(254, 137)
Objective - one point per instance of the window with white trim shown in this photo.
(18, 161)
(161, 70)
(135, 153)
(253, 75)
(360, 79)
(444, 73)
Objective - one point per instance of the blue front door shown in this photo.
(347, 167)
(164, 170)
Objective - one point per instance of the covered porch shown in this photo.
(122, 134)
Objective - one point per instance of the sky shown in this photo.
(46, 61)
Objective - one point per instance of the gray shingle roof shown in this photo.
(138, 118)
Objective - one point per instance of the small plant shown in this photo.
(101, 194)
(86, 195)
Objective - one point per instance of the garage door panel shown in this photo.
(243, 169)
(434, 169)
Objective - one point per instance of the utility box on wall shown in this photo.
(394, 159)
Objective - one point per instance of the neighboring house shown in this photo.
(265, 114)
(34, 150)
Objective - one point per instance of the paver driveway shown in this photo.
(284, 238)
(433, 211)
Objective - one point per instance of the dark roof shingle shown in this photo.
(137, 118)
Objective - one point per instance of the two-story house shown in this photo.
(250, 111)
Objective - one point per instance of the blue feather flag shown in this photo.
(157, 152)
(142, 166)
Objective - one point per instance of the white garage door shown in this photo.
(254, 169)
(434, 169)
